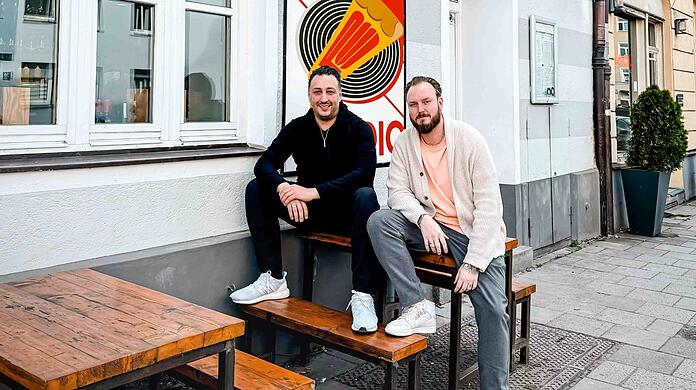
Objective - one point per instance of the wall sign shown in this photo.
(543, 66)
(364, 40)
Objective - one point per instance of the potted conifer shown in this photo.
(656, 148)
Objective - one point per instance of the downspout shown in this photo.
(601, 73)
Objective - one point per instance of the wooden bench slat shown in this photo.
(335, 327)
(521, 288)
(343, 241)
(250, 372)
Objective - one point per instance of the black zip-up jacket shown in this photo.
(347, 163)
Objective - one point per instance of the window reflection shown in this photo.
(623, 80)
(206, 68)
(124, 63)
(28, 54)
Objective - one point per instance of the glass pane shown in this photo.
(622, 77)
(206, 67)
(124, 63)
(221, 3)
(28, 55)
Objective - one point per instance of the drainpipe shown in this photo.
(601, 72)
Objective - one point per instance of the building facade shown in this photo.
(144, 118)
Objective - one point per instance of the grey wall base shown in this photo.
(554, 210)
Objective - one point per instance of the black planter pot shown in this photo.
(645, 193)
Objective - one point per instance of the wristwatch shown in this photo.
(470, 267)
(420, 219)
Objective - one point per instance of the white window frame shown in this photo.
(623, 23)
(193, 133)
(16, 139)
(624, 49)
(75, 129)
(625, 75)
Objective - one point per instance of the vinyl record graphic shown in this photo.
(354, 45)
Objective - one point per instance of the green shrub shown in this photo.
(658, 139)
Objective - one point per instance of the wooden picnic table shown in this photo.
(83, 328)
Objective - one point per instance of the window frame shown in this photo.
(21, 138)
(76, 72)
(194, 133)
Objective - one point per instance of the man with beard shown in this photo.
(335, 154)
(444, 198)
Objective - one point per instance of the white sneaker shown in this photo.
(363, 309)
(264, 288)
(417, 318)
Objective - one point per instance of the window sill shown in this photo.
(75, 160)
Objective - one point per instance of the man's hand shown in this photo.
(434, 238)
(297, 210)
(289, 192)
(466, 279)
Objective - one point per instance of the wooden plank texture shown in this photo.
(335, 327)
(250, 373)
(79, 327)
(521, 288)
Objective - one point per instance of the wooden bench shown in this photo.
(436, 270)
(332, 328)
(522, 292)
(250, 373)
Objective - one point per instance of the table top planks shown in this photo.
(75, 328)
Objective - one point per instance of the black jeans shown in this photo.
(346, 215)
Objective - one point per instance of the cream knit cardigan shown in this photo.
(474, 185)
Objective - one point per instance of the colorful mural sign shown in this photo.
(364, 40)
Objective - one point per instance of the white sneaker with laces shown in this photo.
(266, 287)
(363, 309)
(417, 318)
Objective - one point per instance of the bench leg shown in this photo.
(154, 382)
(414, 377)
(455, 339)
(526, 317)
(390, 380)
(513, 336)
(226, 367)
(307, 294)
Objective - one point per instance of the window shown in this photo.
(28, 60)
(124, 63)
(142, 73)
(622, 24)
(625, 75)
(39, 9)
(654, 54)
(624, 49)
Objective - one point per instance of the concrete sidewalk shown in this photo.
(637, 291)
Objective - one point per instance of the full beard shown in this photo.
(427, 127)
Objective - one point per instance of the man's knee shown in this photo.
(380, 221)
(365, 201)
(252, 189)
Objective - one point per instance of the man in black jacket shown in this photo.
(335, 154)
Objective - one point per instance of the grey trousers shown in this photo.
(392, 237)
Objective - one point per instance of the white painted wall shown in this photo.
(491, 80)
(569, 145)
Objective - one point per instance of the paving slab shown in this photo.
(644, 358)
(668, 313)
(643, 379)
(681, 347)
(581, 324)
(667, 269)
(593, 384)
(612, 372)
(686, 303)
(649, 284)
(665, 327)
(687, 370)
(654, 297)
(635, 336)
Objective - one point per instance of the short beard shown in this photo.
(427, 128)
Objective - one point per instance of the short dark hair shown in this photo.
(325, 71)
(425, 79)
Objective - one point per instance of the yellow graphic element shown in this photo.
(367, 28)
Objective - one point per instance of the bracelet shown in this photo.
(420, 219)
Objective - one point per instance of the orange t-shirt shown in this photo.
(439, 184)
